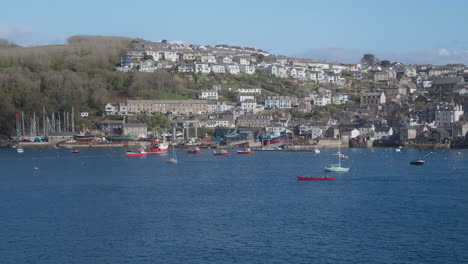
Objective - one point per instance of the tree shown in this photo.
(369, 59)
(385, 63)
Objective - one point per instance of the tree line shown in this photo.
(79, 74)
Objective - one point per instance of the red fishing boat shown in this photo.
(318, 178)
(194, 150)
(221, 153)
(136, 153)
(158, 147)
(245, 151)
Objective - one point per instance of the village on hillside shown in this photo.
(375, 103)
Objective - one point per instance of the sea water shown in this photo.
(99, 206)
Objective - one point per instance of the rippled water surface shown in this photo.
(101, 207)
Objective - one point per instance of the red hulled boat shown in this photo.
(245, 151)
(318, 178)
(136, 153)
(158, 147)
(194, 150)
(221, 153)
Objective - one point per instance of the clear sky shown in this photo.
(416, 31)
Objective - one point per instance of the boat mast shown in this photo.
(22, 123)
(73, 120)
(43, 121)
(18, 126)
(339, 153)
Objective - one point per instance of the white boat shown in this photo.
(316, 150)
(173, 159)
(337, 167)
(397, 150)
(20, 150)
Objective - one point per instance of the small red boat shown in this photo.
(245, 151)
(319, 178)
(194, 150)
(221, 153)
(136, 153)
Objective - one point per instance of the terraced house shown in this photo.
(184, 107)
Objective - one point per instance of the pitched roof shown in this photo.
(449, 80)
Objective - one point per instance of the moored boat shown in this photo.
(194, 150)
(173, 159)
(337, 167)
(157, 147)
(318, 178)
(417, 162)
(223, 152)
(75, 151)
(20, 150)
(245, 151)
(136, 153)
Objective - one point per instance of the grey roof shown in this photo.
(166, 101)
(449, 80)
(134, 125)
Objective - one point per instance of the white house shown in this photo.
(232, 68)
(315, 75)
(208, 59)
(367, 129)
(333, 78)
(171, 56)
(219, 122)
(242, 97)
(224, 60)
(155, 54)
(340, 99)
(209, 94)
(147, 66)
(218, 68)
(383, 132)
(242, 60)
(249, 105)
(223, 106)
(446, 116)
(247, 90)
(276, 70)
(312, 131)
(292, 72)
(188, 56)
(249, 69)
(116, 109)
(318, 64)
(278, 102)
(322, 100)
(202, 67)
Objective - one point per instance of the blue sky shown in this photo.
(409, 31)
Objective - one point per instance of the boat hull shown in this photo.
(299, 178)
(221, 154)
(245, 152)
(156, 151)
(336, 169)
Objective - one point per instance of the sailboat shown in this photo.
(337, 167)
(316, 150)
(172, 160)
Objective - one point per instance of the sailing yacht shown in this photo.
(172, 160)
(337, 167)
